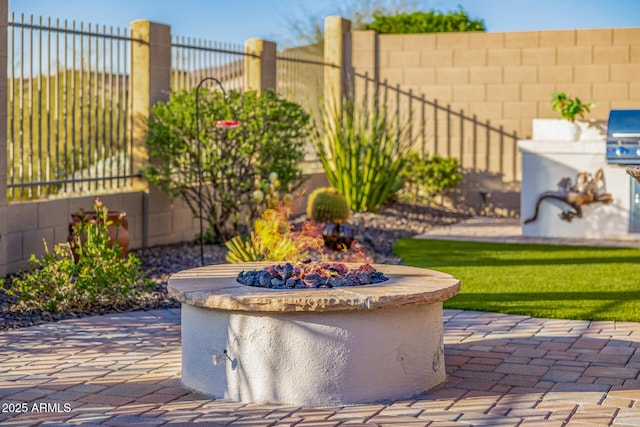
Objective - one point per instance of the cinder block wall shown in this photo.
(167, 221)
(508, 77)
(28, 223)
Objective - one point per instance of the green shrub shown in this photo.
(325, 204)
(424, 178)
(271, 139)
(425, 22)
(100, 278)
(363, 151)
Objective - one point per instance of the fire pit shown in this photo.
(314, 346)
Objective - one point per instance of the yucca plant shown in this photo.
(363, 150)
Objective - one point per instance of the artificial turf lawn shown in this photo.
(564, 282)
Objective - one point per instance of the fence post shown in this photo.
(259, 65)
(150, 82)
(337, 53)
(4, 17)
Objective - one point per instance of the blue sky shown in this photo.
(238, 20)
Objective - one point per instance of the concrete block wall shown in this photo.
(508, 77)
(28, 223)
(165, 221)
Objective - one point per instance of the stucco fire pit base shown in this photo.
(312, 347)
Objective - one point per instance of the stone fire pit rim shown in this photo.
(215, 287)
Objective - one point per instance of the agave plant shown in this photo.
(363, 150)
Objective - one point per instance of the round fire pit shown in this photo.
(312, 347)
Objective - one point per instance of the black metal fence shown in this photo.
(194, 59)
(300, 78)
(69, 127)
(69, 105)
(438, 128)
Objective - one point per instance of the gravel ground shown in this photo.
(375, 234)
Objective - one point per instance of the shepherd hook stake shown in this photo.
(200, 178)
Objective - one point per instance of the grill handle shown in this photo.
(625, 134)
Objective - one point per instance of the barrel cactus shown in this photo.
(326, 204)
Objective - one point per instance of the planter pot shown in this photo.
(555, 130)
(337, 236)
(118, 230)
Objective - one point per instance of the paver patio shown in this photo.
(503, 370)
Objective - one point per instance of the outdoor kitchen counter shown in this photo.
(216, 287)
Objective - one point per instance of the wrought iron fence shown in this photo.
(438, 128)
(69, 127)
(194, 59)
(300, 78)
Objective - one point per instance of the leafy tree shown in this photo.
(271, 138)
(379, 15)
(425, 22)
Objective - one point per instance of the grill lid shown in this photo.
(623, 124)
(623, 137)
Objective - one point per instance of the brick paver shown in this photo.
(124, 369)
(502, 370)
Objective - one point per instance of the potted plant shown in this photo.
(116, 222)
(565, 128)
(329, 206)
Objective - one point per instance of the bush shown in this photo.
(363, 151)
(100, 278)
(424, 178)
(425, 22)
(271, 139)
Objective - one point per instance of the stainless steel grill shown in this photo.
(623, 137)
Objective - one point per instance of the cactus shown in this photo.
(326, 204)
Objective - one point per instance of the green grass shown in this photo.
(565, 282)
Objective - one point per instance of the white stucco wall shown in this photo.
(545, 163)
(313, 358)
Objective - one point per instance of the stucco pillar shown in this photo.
(337, 52)
(4, 15)
(151, 81)
(259, 65)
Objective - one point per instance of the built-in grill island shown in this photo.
(623, 137)
(547, 160)
(623, 148)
